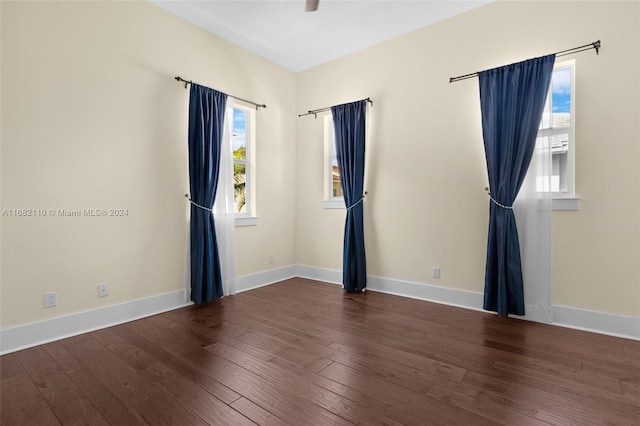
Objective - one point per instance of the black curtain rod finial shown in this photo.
(186, 83)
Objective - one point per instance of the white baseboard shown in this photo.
(428, 292)
(332, 276)
(599, 322)
(398, 287)
(37, 333)
(260, 279)
(563, 316)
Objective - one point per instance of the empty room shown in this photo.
(325, 212)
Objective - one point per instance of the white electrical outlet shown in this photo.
(271, 258)
(50, 299)
(103, 290)
(436, 272)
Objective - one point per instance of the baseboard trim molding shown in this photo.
(261, 279)
(37, 333)
(41, 332)
(399, 287)
(332, 276)
(597, 322)
(424, 291)
(563, 316)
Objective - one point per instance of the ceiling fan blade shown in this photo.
(312, 5)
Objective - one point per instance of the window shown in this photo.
(557, 131)
(243, 164)
(333, 198)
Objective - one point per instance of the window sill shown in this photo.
(568, 204)
(333, 204)
(245, 221)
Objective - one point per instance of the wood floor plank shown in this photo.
(22, 404)
(631, 389)
(105, 402)
(279, 401)
(56, 388)
(256, 413)
(187, 393)
(10, 366)
(534, 353)
(80, 412)
(600, 382)
(123, 381)
(338, 388)
(389, 393)
(416, 365)
(491, 406)
(414, 380)
(257, 319)
(59, 353)
(559, 402)
(434, 412)
(344, 407)
(614, 401)
(621, 370)
(163, 409)
(284, 350)
(186, 370)
(390, 366)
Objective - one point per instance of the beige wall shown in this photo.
(425, 160)
(91, 118)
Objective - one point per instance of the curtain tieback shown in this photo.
(198, 205)
(498, 204)
(357, 202)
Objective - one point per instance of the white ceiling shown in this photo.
(282, 32)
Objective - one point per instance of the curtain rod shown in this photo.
(595, 45)
(188, 82)
(316, 111)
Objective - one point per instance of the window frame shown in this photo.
(249, 217)
(565, 200)
(329, 200)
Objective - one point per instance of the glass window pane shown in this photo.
(239, 134)
(559, 182)
(239, 187)
(561, 97)
(336, 189)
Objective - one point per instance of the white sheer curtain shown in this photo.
(532, 209)
(224, 207)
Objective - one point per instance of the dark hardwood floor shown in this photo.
(305, 353)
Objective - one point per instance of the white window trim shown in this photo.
(329, 201)
(245, 221)
(249, 218)
(333, 204)
(565, 203)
